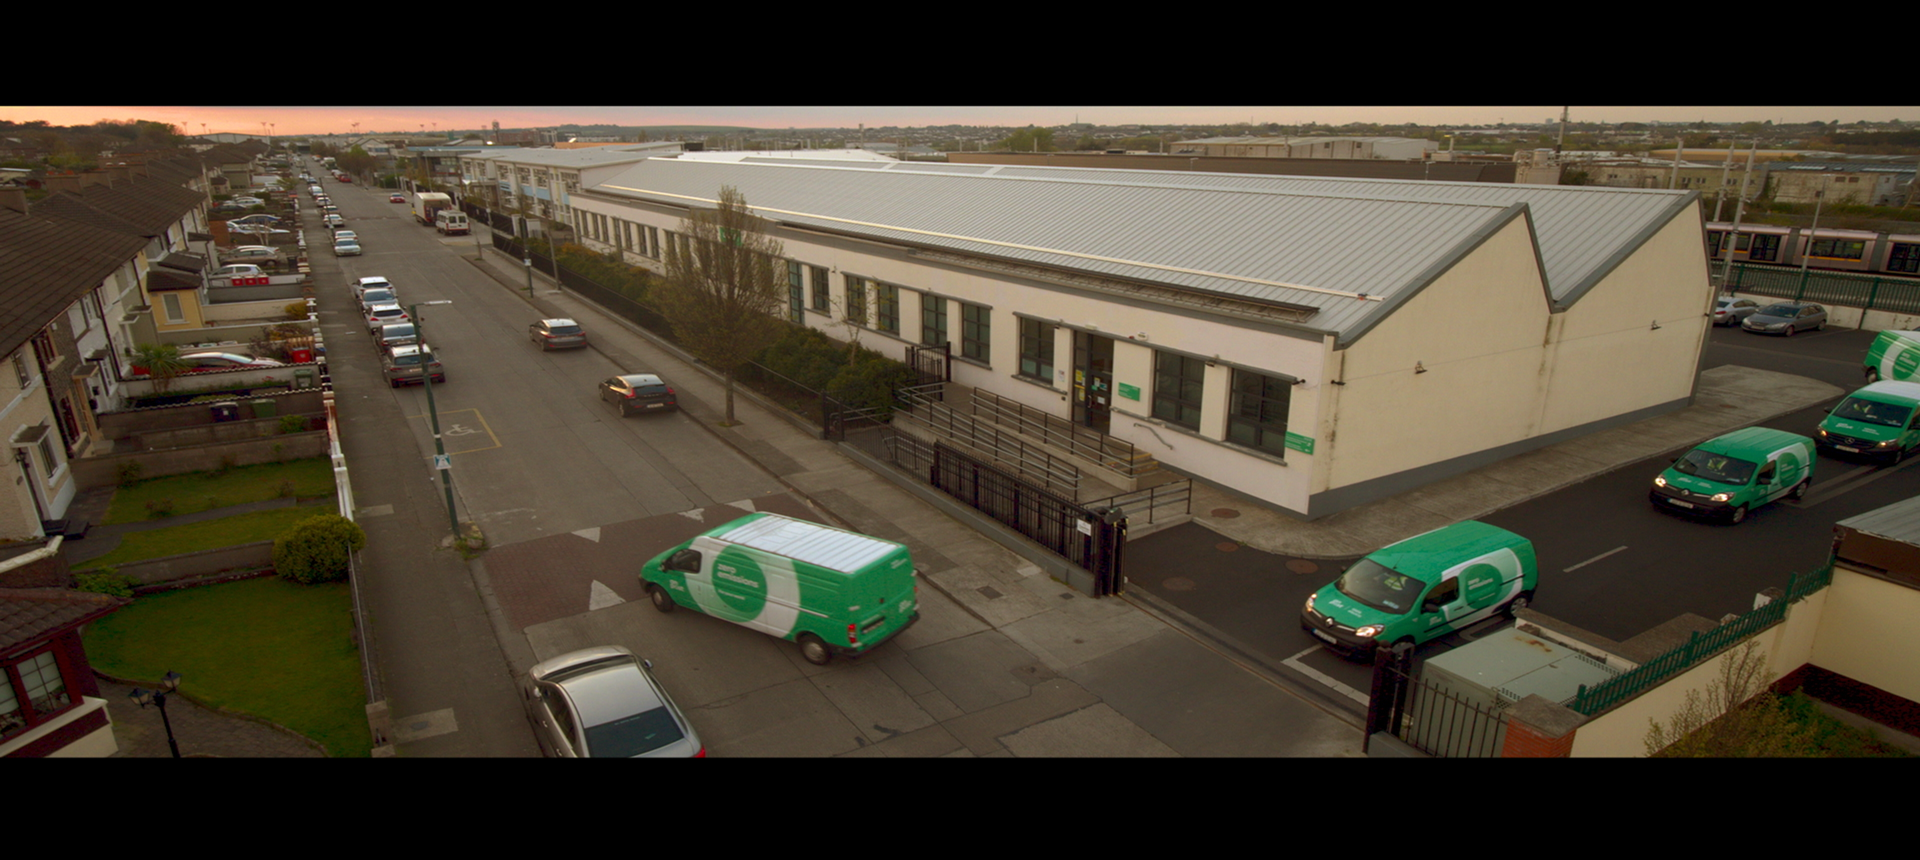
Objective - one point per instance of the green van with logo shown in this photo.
(1894, 355)
(1876, 421)
(829, 590)
(1728, 476)
(1422, 587)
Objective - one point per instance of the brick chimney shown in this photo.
(13, 197)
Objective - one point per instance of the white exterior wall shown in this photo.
(22, 407)
(1861, 625)
(1478, 330)
(1606, 359)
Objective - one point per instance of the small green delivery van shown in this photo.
(1728, 476)
(1894, 355)
(829, 590)
(1422, 587)
(1877, 421)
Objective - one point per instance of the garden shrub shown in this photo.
(157, 508)
(318, 549)
(129, 473)
(105, 581)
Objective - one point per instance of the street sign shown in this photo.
(443, 462)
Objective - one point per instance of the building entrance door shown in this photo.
(1092, 380)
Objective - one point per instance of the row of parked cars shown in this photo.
(405, 359)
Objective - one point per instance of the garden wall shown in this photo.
(104, 470)
(247, 556)
(133, 422)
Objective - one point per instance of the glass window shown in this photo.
(857, 300)
(37, 679)
(976, 334)
(1257, 417)
(1379, 586)
(1036, 350)
(889, 297)
(822, 295)
(794, 298)
(933, 320)
(1177, 385)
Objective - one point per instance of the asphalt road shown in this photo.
(1609, 561)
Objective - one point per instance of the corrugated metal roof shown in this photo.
(1300, 241)
(1899, 521)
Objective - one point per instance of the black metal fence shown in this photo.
(1094, 539)
(1868, 292)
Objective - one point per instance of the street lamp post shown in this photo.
(141, 697)
(528, 262)
(441, 461)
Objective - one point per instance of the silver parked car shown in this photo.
(403, 365)
(1731, 311)
(1786, 318)
(557, 334)
(603, 703)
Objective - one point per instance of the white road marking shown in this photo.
(745, 505)
(603, 597)
(694, 515)
(1304, 669)
(592, 534)
(1592, 560)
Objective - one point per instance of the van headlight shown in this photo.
(1659, 480)
(1370, 631)
(1886, 444)
(1721, 497)
(1310, 598)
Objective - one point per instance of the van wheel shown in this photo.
(814, 650)
(1739, 514)
(1800, 490)
(1873, 375)
(1523, 601)
(661, 599)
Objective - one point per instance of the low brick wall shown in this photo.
(104, 470)
(249, 556)
(208, 434)
(119, 425)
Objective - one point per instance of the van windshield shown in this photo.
(1380, 587)
(1714, 467)
(1884, 414)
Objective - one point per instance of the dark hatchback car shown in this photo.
(639, 392)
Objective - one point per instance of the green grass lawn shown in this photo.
(212, 534)
(201, 491)
(266, 647)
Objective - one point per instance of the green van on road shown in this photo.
(1893, 355)
(1728, 476)
(1422, 587)
(829, 590)
(1877, 421)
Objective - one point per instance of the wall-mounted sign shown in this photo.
(1297, 442)
(1130, 392)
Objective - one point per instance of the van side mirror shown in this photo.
(1430, 607)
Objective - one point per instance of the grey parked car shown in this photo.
(1731, 311)
(402, 365)
(1786, 318)
(603, 703)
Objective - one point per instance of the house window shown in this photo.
(31, 691)
(889, 297)
(822, 289)
(795, 299)
(1036, 350)
(43, 346)
(20, 370)
(171, 303)
(857, 300)
(653, 242)
(1257, 417)
(933, 320)
(1177, 386)
(976, 333)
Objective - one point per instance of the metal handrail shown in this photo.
(988, 439)
(1106, 451)
(1167, 494)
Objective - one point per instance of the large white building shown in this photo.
(1314, 342)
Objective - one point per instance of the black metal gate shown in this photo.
(1093, 539)
(1431, 719)
(930, 364)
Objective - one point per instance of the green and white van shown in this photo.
(1878, 420)
(830, 590)
(1728, 476)
(1422, 587)
(1894, 355)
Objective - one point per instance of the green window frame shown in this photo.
(822, 288)
(1257, 415)
(976, 332)
(889, 306)
(1036, 350)
(857, 300)
(795, 301)
(933, 320)
(1179, 382)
